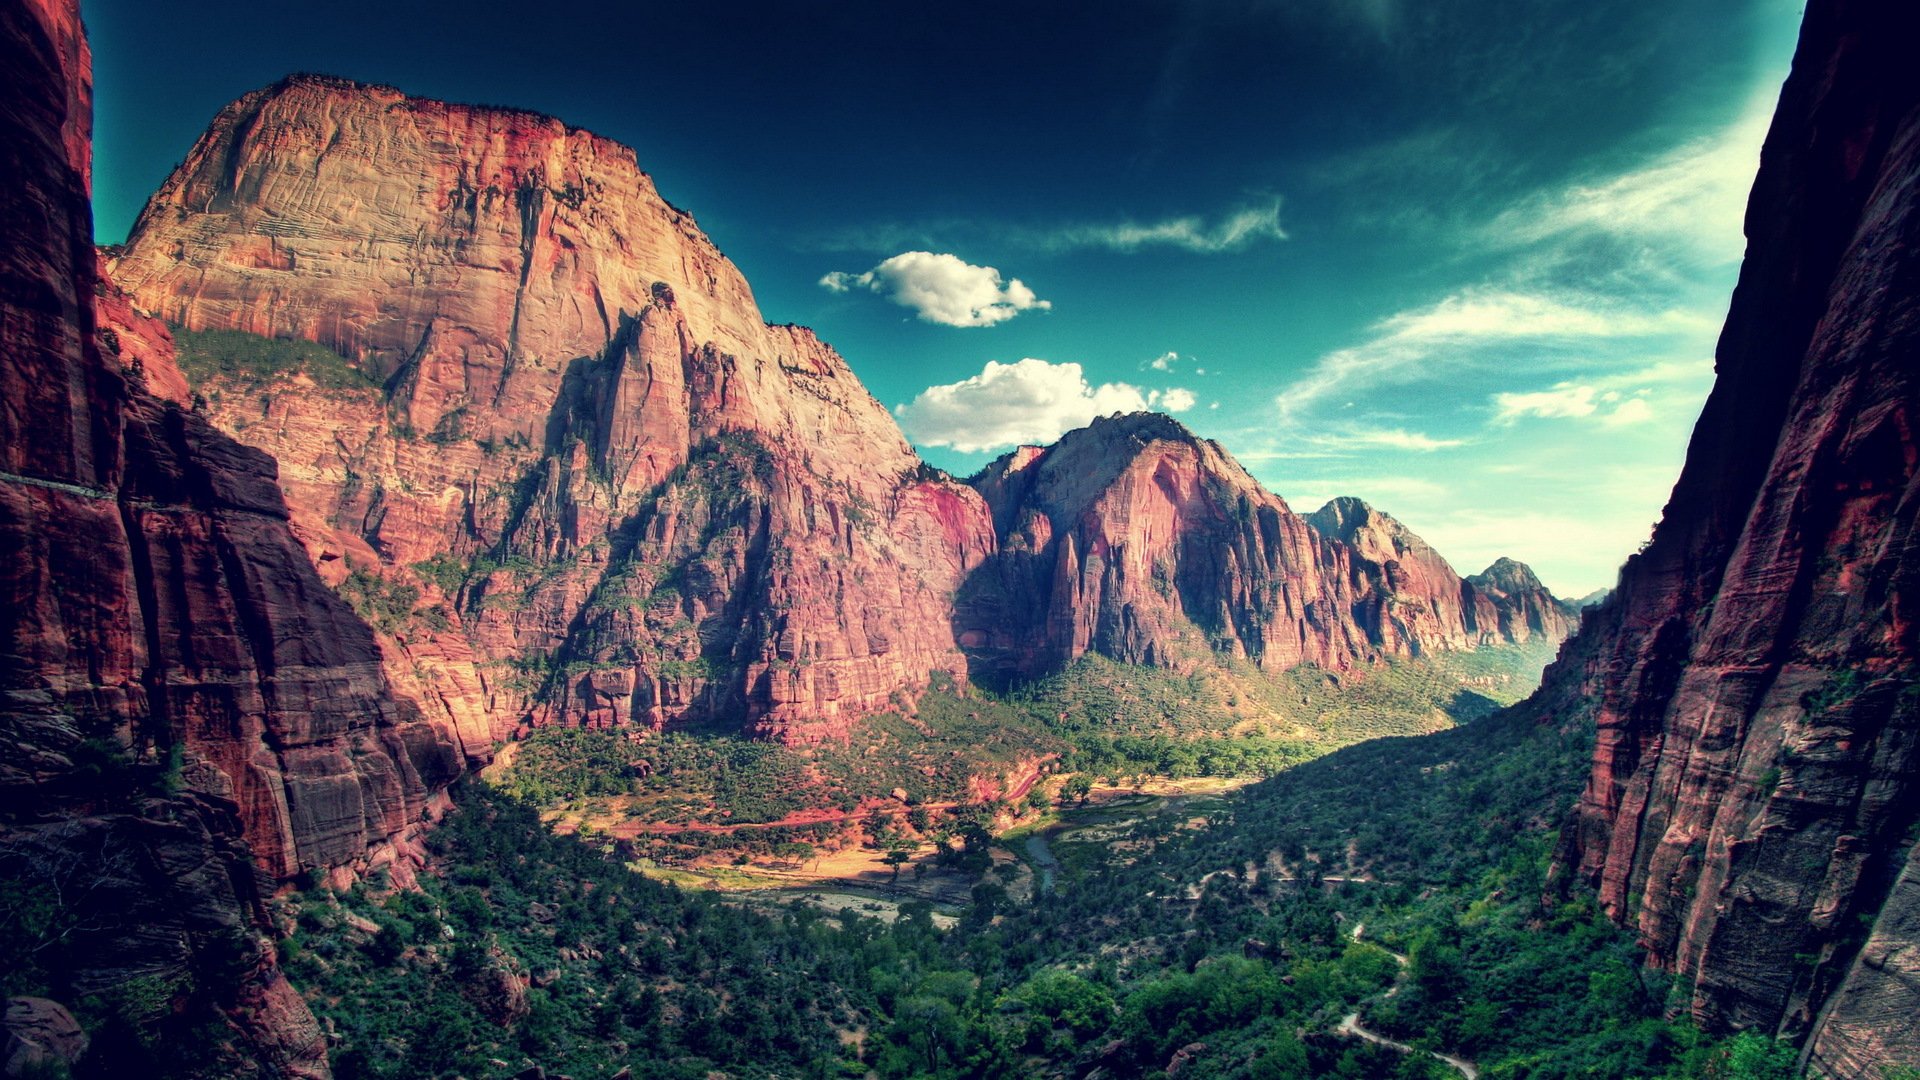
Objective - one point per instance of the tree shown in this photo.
(1078, 788)
(899, 851)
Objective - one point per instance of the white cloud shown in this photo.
(1240, 229)
(1630, 411)
(1391, 439)
(1175, 400)
(1574, 401)
(1165, 361)
(942, 288)
(1564, 400)
(1031, 401)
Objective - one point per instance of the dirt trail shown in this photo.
(1351, 1027)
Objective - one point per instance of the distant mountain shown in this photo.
(1138, 540)
(1593, 599)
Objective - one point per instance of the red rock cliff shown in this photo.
(629, 500)
(646, 503)
(1755, 795)
(187, 713)
(1135, 539)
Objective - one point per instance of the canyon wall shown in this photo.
(1755, 795)
(188, 714)
(621, 497)
(637, 500)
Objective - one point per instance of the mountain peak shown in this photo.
(1508, 576)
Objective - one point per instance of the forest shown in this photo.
(1233, 950)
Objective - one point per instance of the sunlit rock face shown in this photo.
(1138, 540)
(705, 515)
(1756, 785)
(647, 505)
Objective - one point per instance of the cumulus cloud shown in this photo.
(1175, 400)
(1030, 401)
(1234, 231)
(1165, 361)
(942, 288)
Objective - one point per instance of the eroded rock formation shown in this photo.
(1135, 539)
(188, 714)
(635, 502)
(644, 501)
(1755, 796)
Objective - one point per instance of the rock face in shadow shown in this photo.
(1135, 539)
(188, 714)
(1755, 795)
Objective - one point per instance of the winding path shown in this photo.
(1351, 1027)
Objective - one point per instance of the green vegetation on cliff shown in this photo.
(211, 359)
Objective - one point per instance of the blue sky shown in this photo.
(1464, 260)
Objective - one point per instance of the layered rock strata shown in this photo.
(1755, 795)
(1135, 539)
(187, 713)
(634, 500)
(640, 501)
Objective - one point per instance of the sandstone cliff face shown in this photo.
(563, 354)
(1756, 788)
(187, 712)
(1137, 540)
(624, 498)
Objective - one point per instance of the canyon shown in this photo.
(559, 471)
(629, 500)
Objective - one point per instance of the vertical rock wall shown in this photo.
(1756, 788)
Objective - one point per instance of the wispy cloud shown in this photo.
(1237, 229)
(1453, 332)
(1694, 194)
(942, 288)
(1233, 231)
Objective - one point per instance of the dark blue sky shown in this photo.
(1465, 260)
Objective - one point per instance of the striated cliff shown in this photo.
(1135, 539)
(557, 421)
(638, 500)
(1755, 795)
(1412, 594)
(188, 714)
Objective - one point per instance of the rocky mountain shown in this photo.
(622, 471)
(1136, 539)
(188, 714)
(1504, 602)
(1593, 599)
(1755, 796)
(612, 494)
